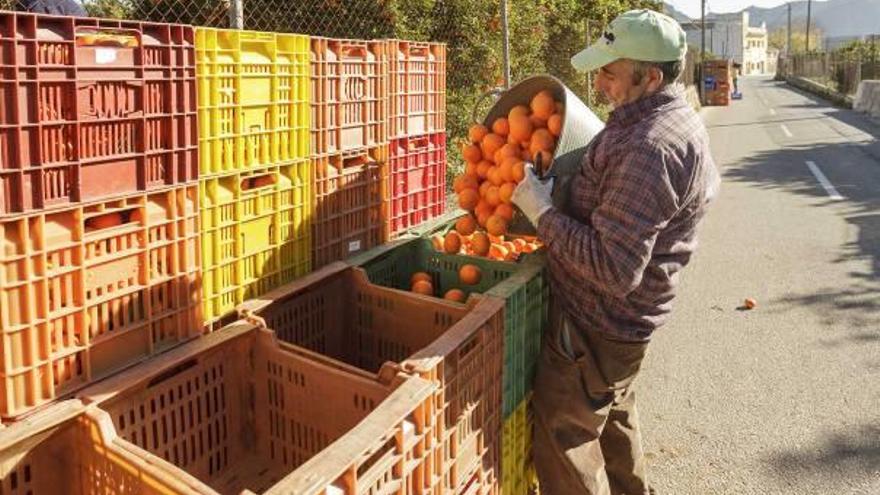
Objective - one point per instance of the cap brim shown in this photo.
(593, 57)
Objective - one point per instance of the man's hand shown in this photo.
(532, 195)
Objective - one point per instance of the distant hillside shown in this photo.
(834, 17)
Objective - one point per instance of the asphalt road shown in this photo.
(783, 399)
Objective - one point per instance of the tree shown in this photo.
(779, 36)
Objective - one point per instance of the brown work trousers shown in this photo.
(586, 437)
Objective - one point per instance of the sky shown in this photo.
(691, 8)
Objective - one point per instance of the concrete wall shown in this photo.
(867, 98)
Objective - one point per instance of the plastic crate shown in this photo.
(417, 181)
(337, 313)
(350, 204)
(82, 296)
(253, 99)
(349, 95)
(256, 233)
(93, 109)
(238, 410)
(66, 450)
(517, 472)
(417, 88)
(521, 285)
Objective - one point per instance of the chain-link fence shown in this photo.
(840, 70)
(543, 35)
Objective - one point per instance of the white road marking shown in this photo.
(772, 111)
(826, 184)
(785, 130)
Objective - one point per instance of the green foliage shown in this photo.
(779, 36)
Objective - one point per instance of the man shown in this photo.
(614, 256)
(56, 7)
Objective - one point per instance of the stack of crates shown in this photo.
(349, 147)
(100, 265)
(525, 293)
(255, 181)
(417, 130)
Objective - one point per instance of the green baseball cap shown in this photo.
(642, 35)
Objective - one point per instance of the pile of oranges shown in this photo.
(422, 283)
(495, 159)
(465, 239)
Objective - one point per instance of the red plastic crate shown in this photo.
(338, 314)
(350, 192)
(241, 412)
(87, 290)
(417, 176)
(349, 95)
(93, 108)
(417, 88)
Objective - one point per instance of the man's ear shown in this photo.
(655, 79)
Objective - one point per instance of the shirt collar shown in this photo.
(631, 113)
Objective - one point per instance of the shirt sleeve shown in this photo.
(637, 200)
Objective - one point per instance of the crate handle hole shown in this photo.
(354, 52)
(108, 37)
(113, 219)
(258, 181)
(418, 51)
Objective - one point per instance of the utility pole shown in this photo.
(589, 73)
(788, 38)
(702, 47)
(809, 4)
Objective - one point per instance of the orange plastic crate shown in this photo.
(93, 109)
(337, 313)
(87, 290)
(349, 95)
(238, 410)
(350, 193)
(417, 181)
(417, 88)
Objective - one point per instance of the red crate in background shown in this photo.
(89, 289)
(93, 108)
(349, 95)
(417, 88)
(350, 192)
(417, 181)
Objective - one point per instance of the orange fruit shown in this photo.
(471, 153)
(456, 295)
(543, 105)
(538, 123)
(483, 169)
(437, 240)
(509, 150)
(480, 244)
(496, 239)
(466, 225)
(468, 198)
(490, 144)
(469, 274)
(464, 182)
(423, 287)
(505, 192)
(495, 177)
(483, 186)
(505, 211)
(470, 168)
(482, 217)
(542, 140)
(477, 132)
(554, 124)
(104, 221)
(518, 172)
(529, 248)
(520, 128)
(419, 276)
(519, 244)
(496, 225)
(505, 170)
(519, 110)
(501, 127)
(452, 243)
(493, 197)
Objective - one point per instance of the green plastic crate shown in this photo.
(521, 285)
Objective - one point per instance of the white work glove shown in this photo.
(533, 195)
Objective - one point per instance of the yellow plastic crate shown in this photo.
(256, 233)
(517, 472)
(254, 99)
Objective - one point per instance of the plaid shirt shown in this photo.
(631, 222)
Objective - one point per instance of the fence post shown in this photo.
(505, 44)
(236, 14)
(589, 73)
